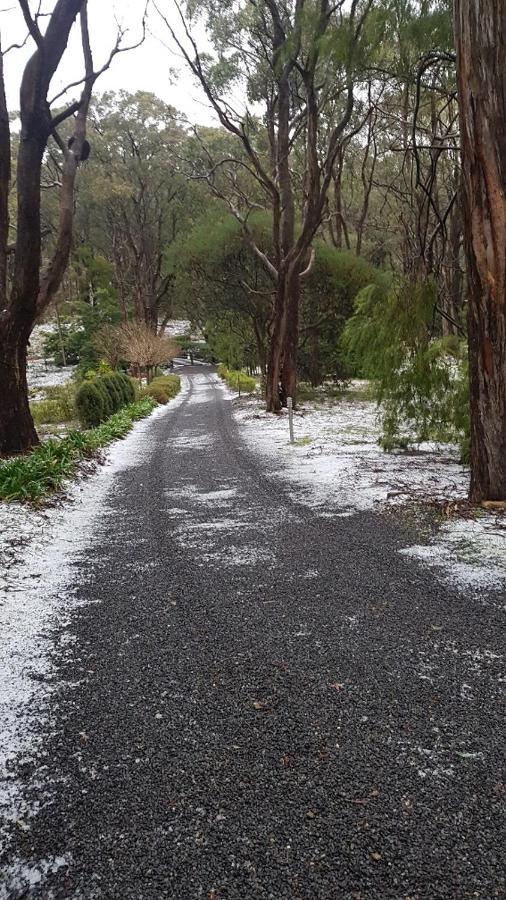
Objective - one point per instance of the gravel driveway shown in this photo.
(257, 701)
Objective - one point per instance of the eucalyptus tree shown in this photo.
(290, 60)
(480, 37)
(27, 295)
(134, 199)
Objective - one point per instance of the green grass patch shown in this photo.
(237, 381)
(303, 441)
(44, 470)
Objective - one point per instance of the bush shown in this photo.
(90, 404)
(157, 392)
(127, 387)
(45, 468)
(237, 381)
(114, 391)
(170, 384)
(106, 398)
(420, 378)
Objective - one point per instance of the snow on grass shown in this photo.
(41, 374)
(337, 462)
(38, 550)
(470, 552)
(337, 466)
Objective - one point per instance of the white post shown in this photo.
(289, 402)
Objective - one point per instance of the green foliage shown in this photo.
(127, 386)
(58, 405)
(420, 379)
(48, 412)
(44, 470)
(237, 381)
(322, 393)
(100, 397)
(170, 384)
(90, 404)
(94, 305)
(163, 388)
(327, 303)
(114, 389)
(157, 392)
(107, 401)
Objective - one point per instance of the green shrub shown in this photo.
(126, 386)
(170, 384)
(420, 378)
(90, 404)
(106, 398)
(237, 381)
(114, 391)
(43, 470)
(157, 392)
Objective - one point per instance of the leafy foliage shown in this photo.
(45, 469)
(420, 379)
(90, 404)
(237, 381)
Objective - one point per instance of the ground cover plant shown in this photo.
(44, 470)
(237, 381)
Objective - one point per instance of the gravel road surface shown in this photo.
(257, 701)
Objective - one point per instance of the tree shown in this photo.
(480, 38)
(33, 287)
(142, 347)
(288, 71)
(134, 200)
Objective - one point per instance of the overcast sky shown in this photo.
(151, 67)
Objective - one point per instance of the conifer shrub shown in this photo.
(127, 387)
(113, 389)
(90, 404)
(106, 397)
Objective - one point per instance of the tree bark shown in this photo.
(480, 36)
(291, 341)
(16, 423)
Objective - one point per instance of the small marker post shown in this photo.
(289, 403)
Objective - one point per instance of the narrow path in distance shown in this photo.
(259, 702)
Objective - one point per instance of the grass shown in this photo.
(44, 469)
(56, 407)
(237, 381)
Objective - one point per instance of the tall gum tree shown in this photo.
(480, 39)
(282, 53)
(33, 286)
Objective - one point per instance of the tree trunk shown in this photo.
(480, 35)
(274, 354)
(291, 343)
(17, 431)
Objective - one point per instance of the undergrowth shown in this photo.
(45, 468)
(237, 381)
